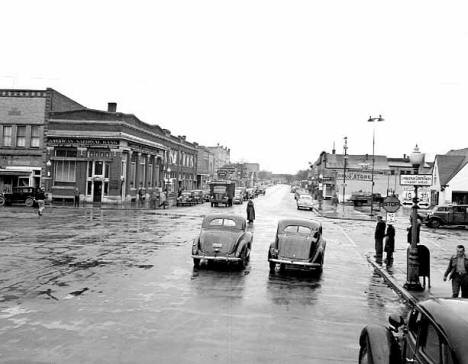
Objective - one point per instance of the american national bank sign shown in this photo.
(75, 142)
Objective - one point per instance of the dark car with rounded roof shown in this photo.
(298, 243)
(435, 331)
(223, 238)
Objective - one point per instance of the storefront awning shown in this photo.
(4, 172)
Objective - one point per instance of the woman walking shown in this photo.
(250, 211)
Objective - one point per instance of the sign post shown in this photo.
(412, 276)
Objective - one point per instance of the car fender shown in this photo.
(245, 239)
(195, 245)
(382, 346)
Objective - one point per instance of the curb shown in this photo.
(393, 283)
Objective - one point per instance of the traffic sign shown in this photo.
(416, 179)
(391, 218)
(391, 204)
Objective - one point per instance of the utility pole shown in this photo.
(345, 147)
(372, 120)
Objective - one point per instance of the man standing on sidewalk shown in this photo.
(458, 271)
(379, 236)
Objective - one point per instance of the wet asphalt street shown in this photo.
(118, 286)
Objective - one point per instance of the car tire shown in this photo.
(29, 202)
(282, 267)
(272, 266)
(434, 223)
(196, 262)
(244, 260)
(2, 201)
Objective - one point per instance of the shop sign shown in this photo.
(82, 142)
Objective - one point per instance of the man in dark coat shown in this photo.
(379, 236)
(458, 271)
(250, 211)
(389, 247)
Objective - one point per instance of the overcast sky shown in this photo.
(276, 81)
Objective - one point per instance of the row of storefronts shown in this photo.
(48, 140)
(343, 175)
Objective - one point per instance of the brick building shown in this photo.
(49, 140)
(23, 130)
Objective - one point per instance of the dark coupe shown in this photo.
(298, 243)
(436, 331)
(223, 237)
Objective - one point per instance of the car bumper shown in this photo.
(295, 262)
(217, 258)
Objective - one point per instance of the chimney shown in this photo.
(112, 107)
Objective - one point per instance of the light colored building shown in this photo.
(222, 156)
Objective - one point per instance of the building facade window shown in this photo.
(21, 136)
(35, 139)
(7, 136)
(65, 171)
(133, 174)
(150, 174)
(142, 170)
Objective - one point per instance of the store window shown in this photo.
(35, 139)
(142, 170)
(106, 170)
(98, 167)
(21, 136)
(7, 136)
(150, 174)
(90, 169)
(65, 171)
(132, 173)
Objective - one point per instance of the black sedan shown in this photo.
(298, 243)
(436, 331)
(224, 238)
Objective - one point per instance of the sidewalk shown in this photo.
(395, 276)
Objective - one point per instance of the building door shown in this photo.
(97, 194)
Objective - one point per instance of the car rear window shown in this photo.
(297, 229)
(222, 222)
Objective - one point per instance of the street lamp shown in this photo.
(373, 120)
(345, 147)
(320, 196)
(412, 276)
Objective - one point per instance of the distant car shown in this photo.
(262, 190)
(186, 198)
(24, 195)
(447, 215)
(206, 195)
(298, 243)
(436, 331)
(223, 238)
(364, 198)
(239, 194)
(305, 202)
(198, 196)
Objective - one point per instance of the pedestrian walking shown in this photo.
(250, 211)
(163, 199)
(458, 271)
(77, 197)
(153, 200)
(335, 201)
(141, 195)
(389, 246)
(379, 236)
